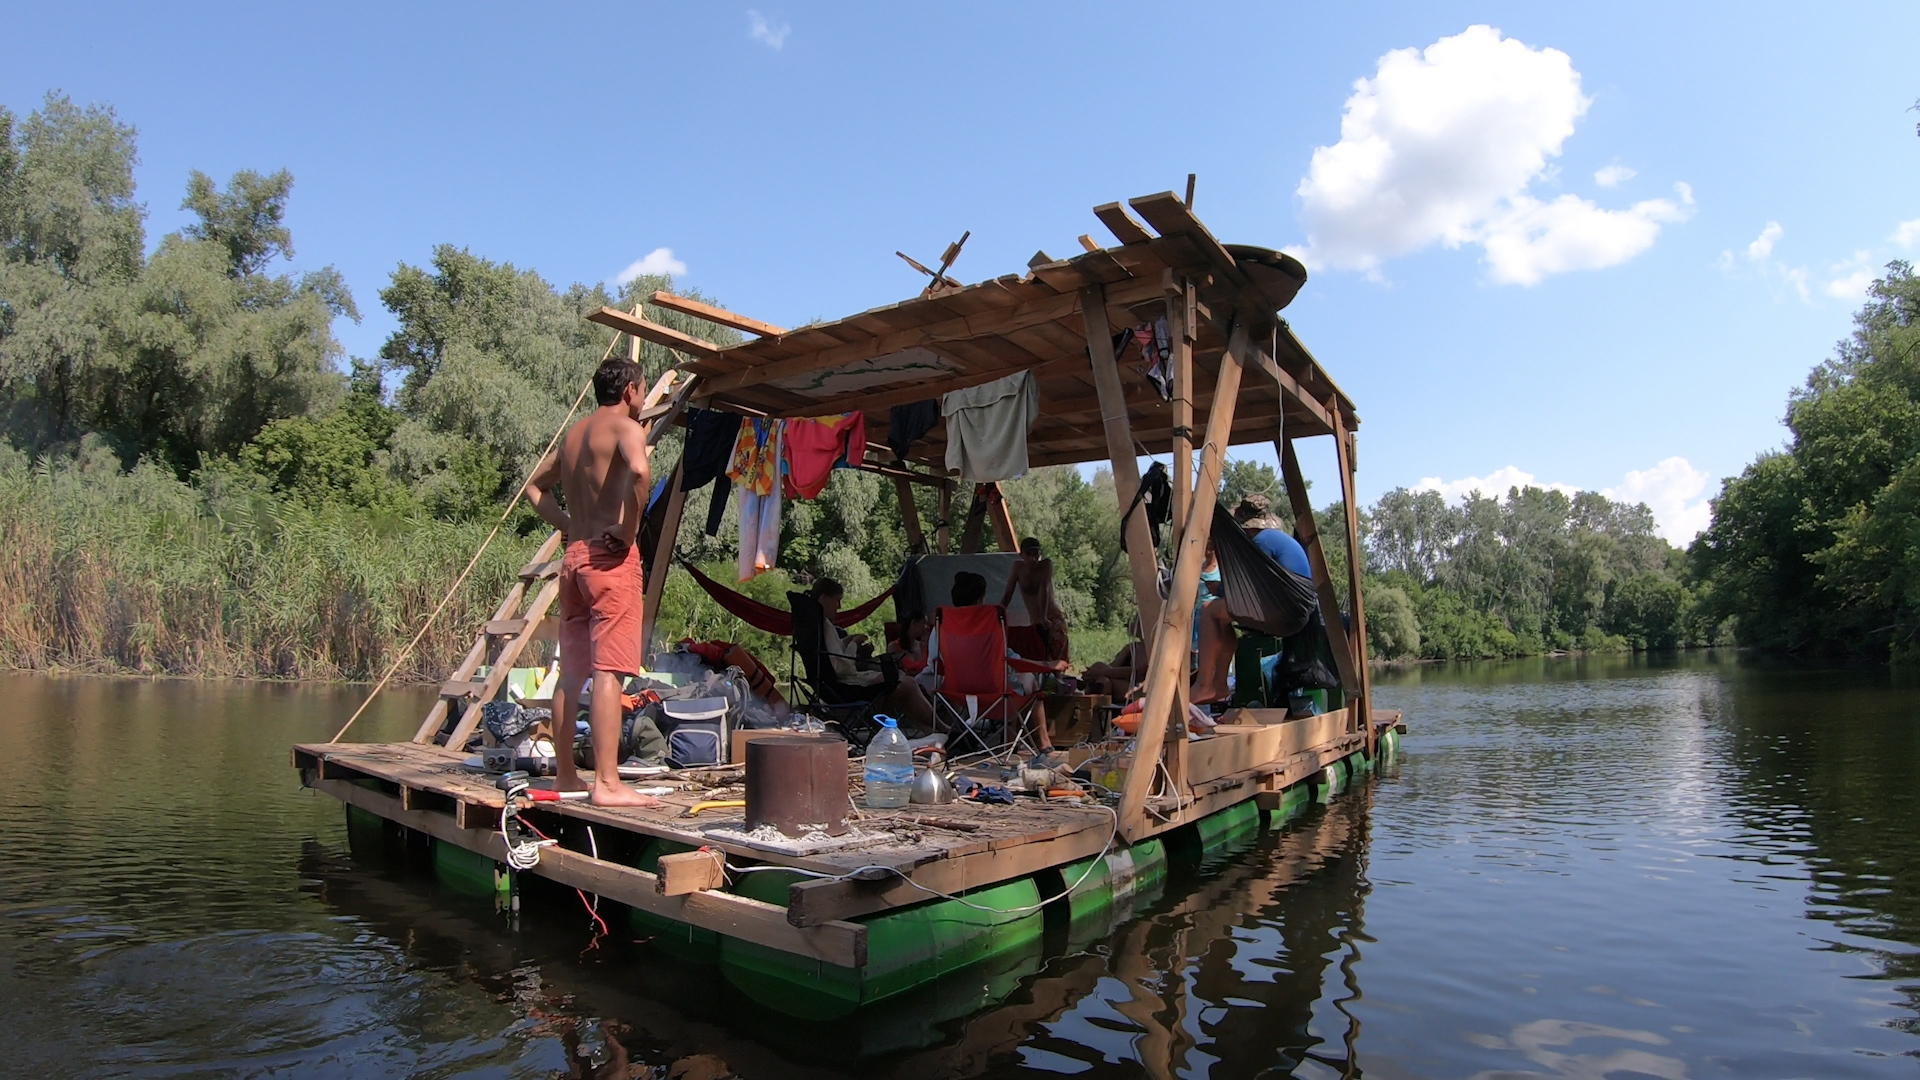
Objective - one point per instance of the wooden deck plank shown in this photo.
(843, 944)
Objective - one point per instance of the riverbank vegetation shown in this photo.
(197, 480)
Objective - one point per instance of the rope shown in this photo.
(475, 561)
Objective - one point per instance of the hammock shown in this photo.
(1261, 594)
(766, 617)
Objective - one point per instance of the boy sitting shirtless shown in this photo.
(601, 465)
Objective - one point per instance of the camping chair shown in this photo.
(820, 693)
(973, 668)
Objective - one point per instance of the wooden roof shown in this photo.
(960, 337)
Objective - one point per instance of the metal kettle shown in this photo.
(932, 784)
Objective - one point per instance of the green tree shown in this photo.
(1811, 548)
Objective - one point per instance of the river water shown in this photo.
(1694, 867)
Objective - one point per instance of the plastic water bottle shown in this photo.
(889, 767)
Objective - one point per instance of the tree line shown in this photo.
(198, 479)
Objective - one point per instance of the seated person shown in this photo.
(1038, 629)
(1119, 679)
(1215, 625)
(904, 701)
(970, 589)
(909, 648)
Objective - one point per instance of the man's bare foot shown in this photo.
(567, 778)
(622, 795)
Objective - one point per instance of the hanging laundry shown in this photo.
(908, 424)
(711, 435)
(817, 444)
(1156, 351)
(987, 428)
(757, 466)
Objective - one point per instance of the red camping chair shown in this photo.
(972, 665)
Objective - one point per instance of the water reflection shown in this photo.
(1609, 867)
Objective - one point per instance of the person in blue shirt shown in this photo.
(1214, 626)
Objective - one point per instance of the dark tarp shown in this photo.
(1261, 594)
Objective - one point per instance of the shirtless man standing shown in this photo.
(601, 465)
(1033, 577)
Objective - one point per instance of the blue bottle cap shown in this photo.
(886, 721)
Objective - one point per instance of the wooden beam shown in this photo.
(691, 872)
(976, 521)
(943, 528)
(1355, 571)
(1290, 388)
(1121, 224)
(1317, 557)
(910, 515)
(842, 944)
(965, 328)
(1180, 333)
(924, 389)
(1169, 214)
(1120, 450)
(713, 314)
(1167, 666)
(654, 332)
(661, 560)
(1001, 517)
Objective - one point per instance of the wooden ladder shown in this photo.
(498, 645)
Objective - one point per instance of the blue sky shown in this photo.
(1491, 297)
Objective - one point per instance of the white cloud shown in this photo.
(1674, 490)
(1851, 287)
(1494, 485)
(1442, 145)
(1534, 239)
(759, 29)
(658, 261)
(1762, 245)
(1614, 175)
(1676, 493)
(1907, 234)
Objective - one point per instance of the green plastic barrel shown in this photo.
(464, 871)
(1293, 802)
(905, 948)
(1226, 831)
(1149, 865)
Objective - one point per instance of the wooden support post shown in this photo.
(1180, 334)
(1317, 556)
(1001, 517)
(1167, 666)
(1361, 710)
(976, 521)
(910, 515)
(1126, 467)
(660, 560)
(943, 529)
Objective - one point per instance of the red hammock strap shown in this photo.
(765, 616)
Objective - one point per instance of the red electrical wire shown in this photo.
(584, 902)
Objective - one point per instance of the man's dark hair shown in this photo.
(612, 379)
(1031, 542)
(968, 589)
(826, 586)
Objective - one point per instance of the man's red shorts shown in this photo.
(602, 593)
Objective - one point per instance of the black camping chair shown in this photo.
(821, 694)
